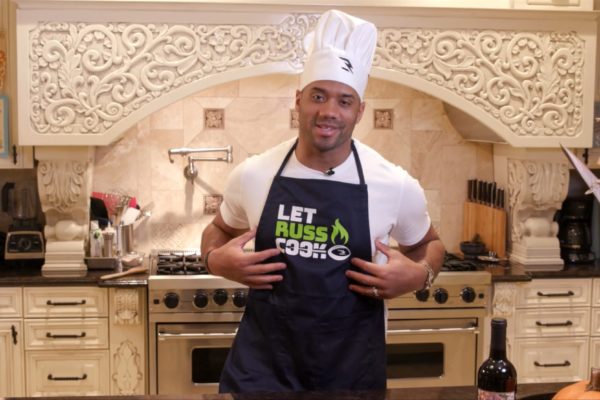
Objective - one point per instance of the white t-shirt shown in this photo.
(397, 204)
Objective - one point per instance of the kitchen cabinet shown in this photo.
(595, 325)
(73, 340)
(12, 369)
(550, 327)
(66, 341)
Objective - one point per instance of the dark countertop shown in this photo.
(445, 393)
(13, 275)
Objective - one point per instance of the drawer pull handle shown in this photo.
(51, 336)
(547, 324)
(568, 294)
(13, 332)
(67, 378)
(65, 303)
(564, 364)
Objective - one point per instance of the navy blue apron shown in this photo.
(311, 332)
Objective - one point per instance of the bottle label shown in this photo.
(487, 395)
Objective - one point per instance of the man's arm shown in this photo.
(404, 271)
(223, 252)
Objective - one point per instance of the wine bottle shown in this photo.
(497, 377)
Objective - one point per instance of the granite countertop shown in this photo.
(446, 393)
(23, 275)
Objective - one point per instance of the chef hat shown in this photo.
(341, 49)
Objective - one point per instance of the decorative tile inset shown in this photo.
(383, 119)
(294, 123)
(212, 203)
(214, 118)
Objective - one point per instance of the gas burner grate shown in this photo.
(455, 263)
(178, 262)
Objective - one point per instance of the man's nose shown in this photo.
(329, 108)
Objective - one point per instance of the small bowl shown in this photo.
(472, 248)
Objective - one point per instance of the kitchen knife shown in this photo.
(471, 190)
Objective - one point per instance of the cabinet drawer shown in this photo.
(46, 302)
(65, 373)
(60, 333)
(555, 293)
(11, 304)
(547, 322)
(594, 352)
(551, 359)
(596, 293)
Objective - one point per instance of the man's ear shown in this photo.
(298, 96)
(361, 111)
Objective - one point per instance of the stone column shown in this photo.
(64, 183)
(536, 190)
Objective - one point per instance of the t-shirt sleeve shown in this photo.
(413, 219)
(232, 208)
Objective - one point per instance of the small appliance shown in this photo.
(24, 240)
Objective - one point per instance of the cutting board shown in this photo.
(487, 222)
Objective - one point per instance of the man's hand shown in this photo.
(232, 262)
(399, 276)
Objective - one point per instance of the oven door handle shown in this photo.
(429, 330)
(216, 335)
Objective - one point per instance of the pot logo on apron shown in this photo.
(296, 235)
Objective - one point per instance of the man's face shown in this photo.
(328, 112)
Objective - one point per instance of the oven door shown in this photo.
(432, 352)
(190, 356)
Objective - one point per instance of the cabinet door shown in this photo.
(67, 373)
(11, 358)
(49, 302)
(557, 359)
(555, 293)
(11, 305)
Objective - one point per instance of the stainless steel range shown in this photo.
(194, 316)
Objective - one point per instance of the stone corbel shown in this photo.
(536, 191)
(64, 184)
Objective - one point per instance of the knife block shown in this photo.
(487, 222)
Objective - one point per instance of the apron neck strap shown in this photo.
(354, 152)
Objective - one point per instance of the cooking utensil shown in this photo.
(132, 271)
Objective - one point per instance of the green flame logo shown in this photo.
(338, 229)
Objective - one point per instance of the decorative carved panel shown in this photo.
(87, 79)
(530, 81)
(127, 375)
(127, 307)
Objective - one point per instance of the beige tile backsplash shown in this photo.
(257, 116)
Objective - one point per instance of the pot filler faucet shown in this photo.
(190, 171)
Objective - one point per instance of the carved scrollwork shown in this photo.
(504, 299)
(128, 374)
(530, 81)
(61, 184)
(85, 77)
(127, 307)
(536, 190)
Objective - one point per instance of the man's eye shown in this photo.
(318, 97)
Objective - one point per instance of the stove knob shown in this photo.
(171, 300)
(422, 295)
(240, 298)
(440, 295)
(220, 296)
(200, 299)
(468, 294)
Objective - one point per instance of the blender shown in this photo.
(24, 240)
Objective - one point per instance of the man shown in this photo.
(321, 209)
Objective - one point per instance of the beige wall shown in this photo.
(257, 116)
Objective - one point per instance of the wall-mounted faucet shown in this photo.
(190, 171)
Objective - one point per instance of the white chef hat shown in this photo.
(341, 49)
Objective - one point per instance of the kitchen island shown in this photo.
(525, 391)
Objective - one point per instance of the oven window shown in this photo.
(207, 364)
(415, 360)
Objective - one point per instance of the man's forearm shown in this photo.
(213, 237)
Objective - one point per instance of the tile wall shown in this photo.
(406, 126)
